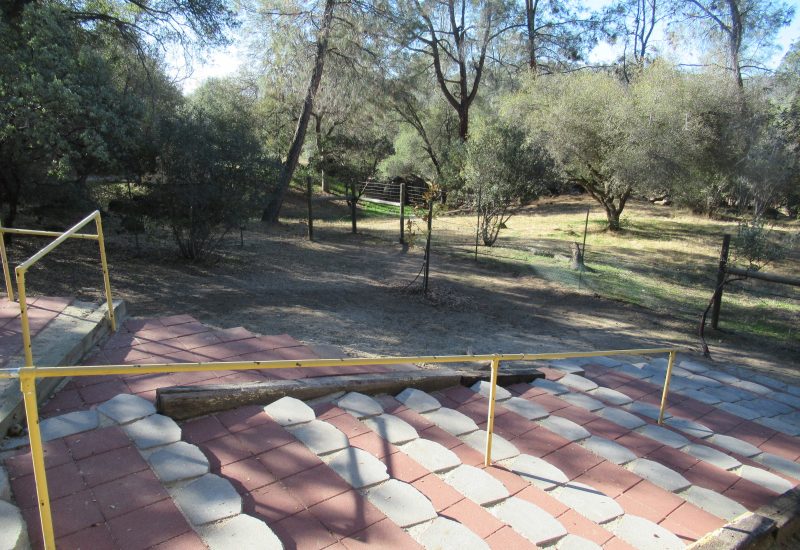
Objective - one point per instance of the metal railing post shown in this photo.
(27, 384)
(666, 386)
(6, 271)
(104, 263)
(487, 461)
(23, 316)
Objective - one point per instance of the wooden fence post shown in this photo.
(310, 212)
(428, 248)
(353, 206)
(723, 263)
(402, 212)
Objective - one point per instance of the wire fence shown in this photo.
(660, 260)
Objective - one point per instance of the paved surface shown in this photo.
(580, 461)
(41, 311)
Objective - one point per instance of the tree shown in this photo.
(503, 171)
(746, 28)
(211, 170)
(456, 37)
(616, 139)
(273, 206)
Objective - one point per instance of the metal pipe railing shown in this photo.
(29, 374)
(21, 270)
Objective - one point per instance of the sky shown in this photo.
(221, 62)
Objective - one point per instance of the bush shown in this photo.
(211, 171)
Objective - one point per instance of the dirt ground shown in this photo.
(351, 291)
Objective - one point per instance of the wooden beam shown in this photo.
(772, 278)
(184, 402)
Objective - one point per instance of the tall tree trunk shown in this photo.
(273, 208)
(530, 20)
(735, 35)
(320, 142)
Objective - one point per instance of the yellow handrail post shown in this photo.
(487, 461)
(27, 384)
(666, 386)
(104, 264)
(23, 315)
(6, 271)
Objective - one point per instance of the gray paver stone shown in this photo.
(360, 405)
(565, 428)
(289, 411)
(178, 461)
(741, 411)
(634, 372)
(68, 424)
(729, 394)
(570, 366)
(764, 478)
(735, 445)
(622, 418)
(713, 502)
(476, 484)
(783, 465)
(321, 437)
(787, 399)
(153, 431)
(721, 376)
(451, 421)
(689, 427)
(391, 428)
(240, 532)
(664, 436)
(5, 486)
(693, 366)
(779, 425)
(577, 382)
(768, 381)
(358, 468)
(658, 474)
(574, 542)
(706, 381)
(525, 408)
(646, 409)
(418, 400)
(502, 449)
(602, 361)
(446, 534)
(702, 396)
(484, 388)
(13, 530)
(401, 503)
(589, 502)
(643, 533)
(770, 407)
(538, 472)
(792, 389)
(207, 499)
(550, 387)
(125, 408)
(529, 520)
(610, 450)
(431, 455)
(583, 401)
(611, 396)
(752, 387)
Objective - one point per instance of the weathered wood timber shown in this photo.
(184, 402)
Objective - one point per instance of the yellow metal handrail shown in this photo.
(28, 375)
(20, 270)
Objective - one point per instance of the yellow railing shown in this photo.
(21, 269)
(28, 375)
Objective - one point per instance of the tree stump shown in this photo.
(577, 257)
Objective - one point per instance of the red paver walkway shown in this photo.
(183, 339)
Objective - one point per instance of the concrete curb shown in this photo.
(64, 341)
